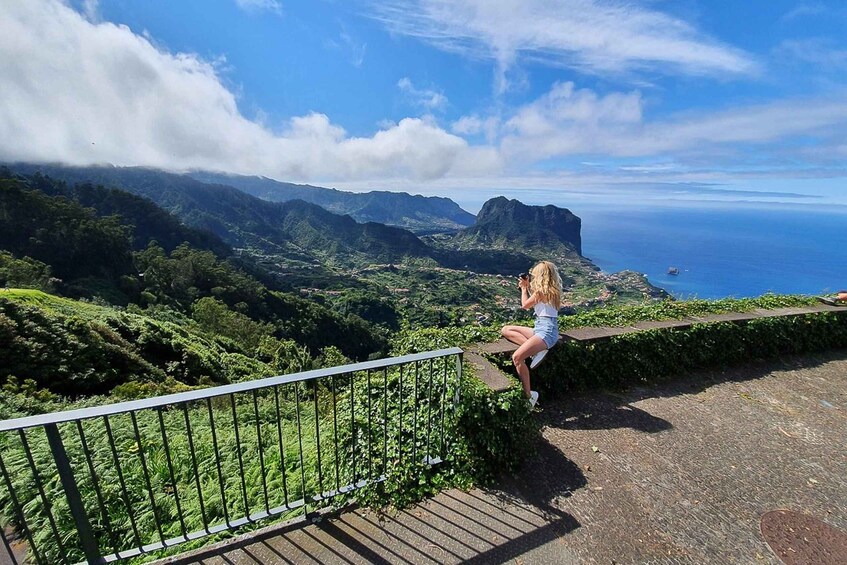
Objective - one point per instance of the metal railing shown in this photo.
(116, 481)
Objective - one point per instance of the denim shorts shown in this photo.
(547, 328)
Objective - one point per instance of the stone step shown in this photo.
(777, 312)
(662, 324)
(596, 334)
(487, 373)
(840, 309)
(728, 317)
(500, 346)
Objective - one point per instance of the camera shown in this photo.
(523, 276)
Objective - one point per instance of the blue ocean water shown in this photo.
(721, 250)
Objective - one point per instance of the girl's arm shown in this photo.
(528, 301)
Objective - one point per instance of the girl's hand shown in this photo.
(523, 283)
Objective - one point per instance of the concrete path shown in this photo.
(679, 473)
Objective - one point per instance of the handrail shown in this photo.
(212, 392)
(219, 458)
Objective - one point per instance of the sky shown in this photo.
(634, 102)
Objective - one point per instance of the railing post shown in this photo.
(456, 397)
(66, 475)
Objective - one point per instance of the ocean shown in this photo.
(720, 249)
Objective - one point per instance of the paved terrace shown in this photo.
(680, 473)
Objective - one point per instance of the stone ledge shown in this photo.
(498, 382)
(487, 372)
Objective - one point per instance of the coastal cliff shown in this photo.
(510, 224)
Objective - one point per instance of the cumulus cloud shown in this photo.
(80, 92)
(91, 9)
(568, 121)
(475, 125)
(598, 36)
(424, 97)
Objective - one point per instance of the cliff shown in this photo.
(510, 224)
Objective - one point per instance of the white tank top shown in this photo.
(546, 309)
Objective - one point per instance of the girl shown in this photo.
(543, 292)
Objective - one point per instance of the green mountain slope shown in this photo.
(147, 220)
(44, 236)
(56, 231)
(74, 348)
(416, 213)
(312, 227)
(296, 229)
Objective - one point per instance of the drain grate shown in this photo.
(801, 539)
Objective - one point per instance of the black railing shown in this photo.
(116, 481)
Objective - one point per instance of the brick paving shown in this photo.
(677, 473)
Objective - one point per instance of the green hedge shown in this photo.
(494, 431)
(649, 355)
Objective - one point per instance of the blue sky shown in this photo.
(546, 100)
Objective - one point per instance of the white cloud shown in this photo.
(599, 36)
(475, 125)
(425, 97)
(803, 9)
(569, 121)
(82, 92)
(352, 48)
(818, 51)
(91, 9)
(260, 5)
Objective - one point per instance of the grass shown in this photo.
(56, 304)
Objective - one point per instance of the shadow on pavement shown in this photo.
(548, 476)
(613, 409)
(480, 526)
(703, 379)
(601, 412)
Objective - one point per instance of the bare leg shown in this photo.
(529, 348)
(517, 334)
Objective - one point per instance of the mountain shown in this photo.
(509, 224)
(312, 227)
(44, 232)
(295, 229)
(416, 213)
(147, 220)
(58, 232)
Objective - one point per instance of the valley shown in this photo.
(253, 282)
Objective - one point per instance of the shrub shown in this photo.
(644, 356)
(493, 430)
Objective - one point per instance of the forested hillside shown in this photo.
(416, 213)
(56, 231)
(294, 230)
(132, 267)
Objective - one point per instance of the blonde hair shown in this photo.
(547, 283)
